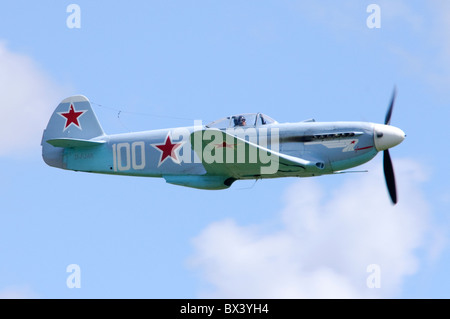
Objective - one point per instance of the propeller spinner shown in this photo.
(387, 136)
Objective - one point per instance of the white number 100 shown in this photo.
(124, 156)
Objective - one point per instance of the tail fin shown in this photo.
(72, 119)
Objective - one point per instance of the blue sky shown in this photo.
(165, 64)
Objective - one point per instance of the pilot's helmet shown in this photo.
(239, 120)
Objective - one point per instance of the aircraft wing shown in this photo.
(228, 155)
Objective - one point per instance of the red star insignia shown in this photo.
(225, 144)
(168, 149)
(72, 116)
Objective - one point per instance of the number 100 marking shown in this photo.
(124, 156)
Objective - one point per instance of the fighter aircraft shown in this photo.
(214, 155)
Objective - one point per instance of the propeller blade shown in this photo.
(387, 120)
(389, 176)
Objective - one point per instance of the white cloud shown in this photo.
(17, 292)
(415, 33)
(28, 98)
(327, 241)
(403, 13)
(428, 24)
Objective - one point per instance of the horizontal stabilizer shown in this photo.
(73, 142)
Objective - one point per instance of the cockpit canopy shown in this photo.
(242, 120)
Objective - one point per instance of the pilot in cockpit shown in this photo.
(239, 121)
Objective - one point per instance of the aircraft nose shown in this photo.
(387, 136)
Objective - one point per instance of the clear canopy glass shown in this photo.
(242, 120)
